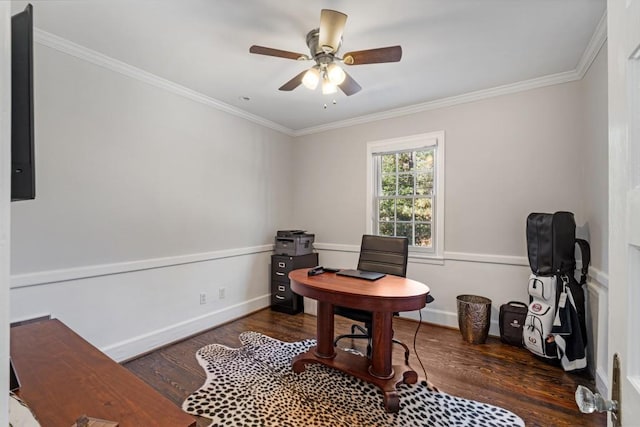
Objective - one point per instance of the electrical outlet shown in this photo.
(203, 298)
(221, 293)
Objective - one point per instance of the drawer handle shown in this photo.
(281, 288)
(279, 274)
(279, 297)
(282, 265)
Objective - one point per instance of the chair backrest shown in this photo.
(384, 254)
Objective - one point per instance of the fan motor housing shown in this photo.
(312, 42)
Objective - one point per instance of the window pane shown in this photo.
(405, 162)
(423, 209)
(386, 210)
(424, 186)
(388, 163)
(404, 229)
(405, 192)
(388, 185)
(405, 185)
(404, 210)
(423, 235)
(424, 160)
(385, 229)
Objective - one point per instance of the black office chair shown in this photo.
(382, 254)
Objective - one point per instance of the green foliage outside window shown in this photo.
(404, 198)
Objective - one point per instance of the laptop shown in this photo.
(361, 274)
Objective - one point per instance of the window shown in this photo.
(404, 199)
(406, 181)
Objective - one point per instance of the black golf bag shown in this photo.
(555, 327)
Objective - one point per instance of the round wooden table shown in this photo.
(382, 297)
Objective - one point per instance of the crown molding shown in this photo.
(553, 79)
(596, 42)
(65, 46)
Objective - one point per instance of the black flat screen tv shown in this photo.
(23, 179)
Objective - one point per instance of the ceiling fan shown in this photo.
(324, 43)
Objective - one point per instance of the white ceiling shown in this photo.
(450, 47)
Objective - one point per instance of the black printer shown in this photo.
(293, 242)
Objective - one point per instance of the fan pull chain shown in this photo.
(325, 105)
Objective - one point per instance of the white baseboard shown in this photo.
(436, 317)
(446, 318)
(144, 343)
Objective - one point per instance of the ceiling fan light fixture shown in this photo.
(328, 87)
(324, 43)
(336, 74)
(311, 78)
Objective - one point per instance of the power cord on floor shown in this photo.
(415, 351)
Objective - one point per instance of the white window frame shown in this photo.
(413, 142)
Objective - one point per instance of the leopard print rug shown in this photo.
(254, 386)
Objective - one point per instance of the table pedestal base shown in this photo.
(358, 366)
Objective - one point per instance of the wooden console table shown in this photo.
(62, 377)
(382, 297)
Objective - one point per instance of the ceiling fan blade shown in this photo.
(373, 56)
(293, 83)
(349, 86)
(261, 50)
(331, 27)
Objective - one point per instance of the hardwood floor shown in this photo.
(494, 373)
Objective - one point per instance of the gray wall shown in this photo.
(592, 160)
(592, 163)
(505, 157)
(127, 171)
(145, 199)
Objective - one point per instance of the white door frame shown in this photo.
(624, 202)
(5, 197)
